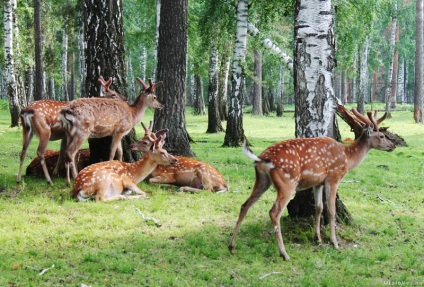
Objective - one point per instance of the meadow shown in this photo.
(47, 239)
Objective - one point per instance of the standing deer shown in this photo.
(111, 180)
(190, 174)
(99, 117)
(304, 163)
(42, 118)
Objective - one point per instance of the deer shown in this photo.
(100, 117)
(190, 174)
(112, 180)
(303, 163)
(42, 118)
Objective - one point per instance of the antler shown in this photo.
(361, 117)
(105, 84)
(147, 131)
(145, 87)
(374, 120)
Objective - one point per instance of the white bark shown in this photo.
(65, 96)
(268, 44)
(239, 58)
(401, 81)
(81, 60)
(392, 42)
(143, 62)
(155, 51)
(363, 77)
(314, 40)
(131, 82)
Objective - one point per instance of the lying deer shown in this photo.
(99, 117)
(111, 180)
(42, 118)
(304, 163)
(190, 174)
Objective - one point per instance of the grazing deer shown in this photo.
(111, 180)
(42, 118)
(190, 174)
(99, 117)
(304, 163)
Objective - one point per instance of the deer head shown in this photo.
(147, 94)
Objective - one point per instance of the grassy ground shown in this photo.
(49, 240)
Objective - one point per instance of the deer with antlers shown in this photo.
(190, 174)
(318, 163)
(111, 180)
(99, 117)
(42, 118)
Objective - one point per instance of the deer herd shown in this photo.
(291, 165)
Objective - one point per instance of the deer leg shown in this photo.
(41, 150)
(27, 136)
(73, 144)
(318, 211)
(129, 184)
(116, 147)
(61, 156)
(262, 183)
(331, 201)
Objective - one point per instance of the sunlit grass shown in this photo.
(111, 245)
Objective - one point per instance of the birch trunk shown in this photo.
(401, 82)
(419, 85)
(214, 121)
(315, 106)
(65, 96)
(257, 85)
(19, 73)
(81, 61)
(234, 134)
(392, 42)
(280, 94)
(11, 88)
(224, 71)
(313, 69)
(199, 102)
(155, 50)
(143, 62)
(363, 77)
(131, 82)
(38, 54)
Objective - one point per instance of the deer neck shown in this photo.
(357, 151)
(142, 168)
(138, 109)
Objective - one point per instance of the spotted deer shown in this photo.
(318, 163)
(111, 180)
(99, 117)
(42, 118)
(190, 174)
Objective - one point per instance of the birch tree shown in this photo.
(214, 120)
(363, 77)
(315, 106)
(257, 85)
(234, 134)
(65, 95)
(11, 88)
(390, 72)
(419, 88)
(38, 54)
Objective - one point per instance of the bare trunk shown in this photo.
(257, 85)
(392, 42)
(214, 121)
(419, 88)
(223, 84)
(39, 69)
(363, 77)
(234, 134)
(65, 96)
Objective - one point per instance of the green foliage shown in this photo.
(109, 244)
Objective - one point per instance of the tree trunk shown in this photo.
(392, 43)
(171, 69)
(393, 94)
(11, 88)
(223, 84)
(214, 121)
(81, 62)
(38, 55)
(257, 85)
(401, 82)
(199, 102)
(280, 94)
(234, 133)
(363, 77)
(65, 96)
(155, 50)
(419, 88)
(314, 62)
(105, 56)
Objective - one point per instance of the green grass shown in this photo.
(110, 244)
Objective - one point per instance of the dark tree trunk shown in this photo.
(105, 56)
(171, 69)
(38, 54)
(199, 102)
